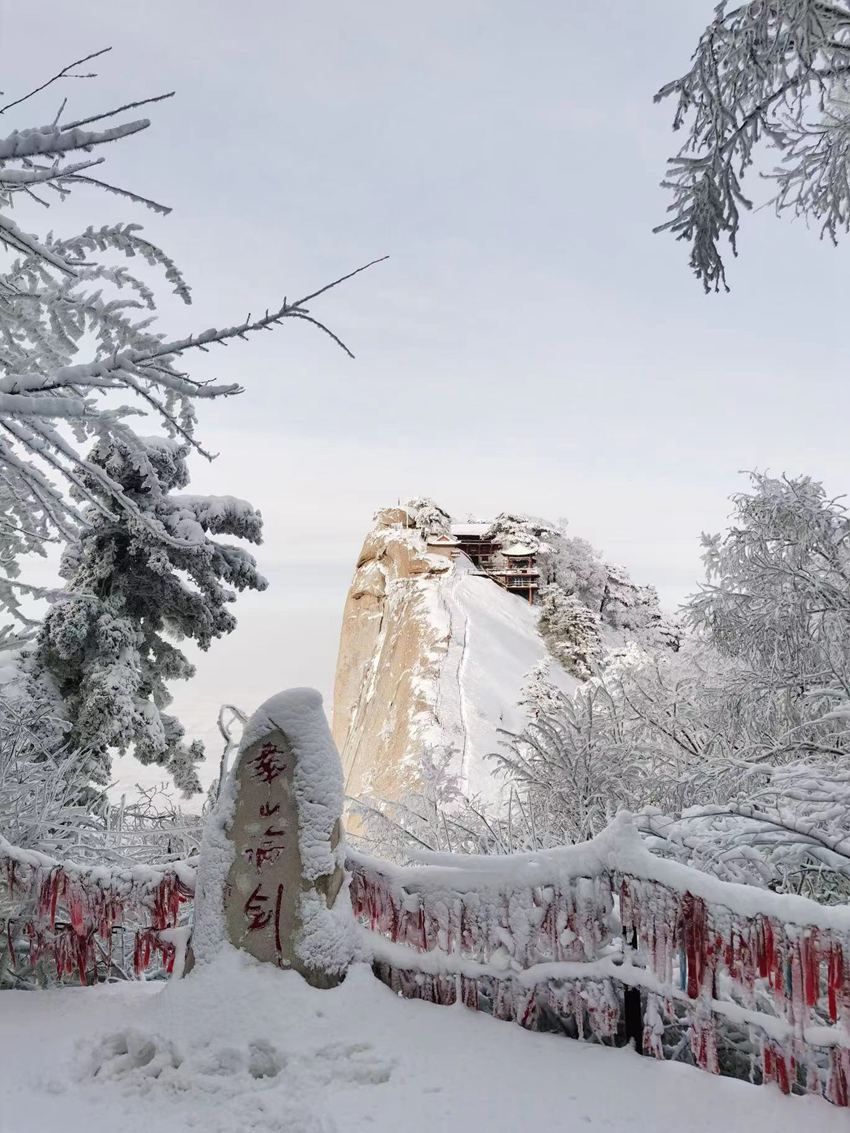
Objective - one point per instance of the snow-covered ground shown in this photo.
(240, 1048)
(493, 643)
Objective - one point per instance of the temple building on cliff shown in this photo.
(513, 567)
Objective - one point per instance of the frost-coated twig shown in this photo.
(763, 75)
(60, 293)
(65, 73)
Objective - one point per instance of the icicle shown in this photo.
(503, 1003)
(694, 937)
(469, 993)
(795, 1005)
(526, 1011)
(10, 948)
(653, 1028)
(603, 1010)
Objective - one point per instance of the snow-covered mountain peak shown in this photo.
(443, 623)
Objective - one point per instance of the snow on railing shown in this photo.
(608, 942)
(68, 914)
(602, 940)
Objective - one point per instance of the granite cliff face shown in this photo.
(389, 660)
(432, 658)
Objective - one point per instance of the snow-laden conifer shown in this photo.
(108, 644)
(428, 517)
(570, 630)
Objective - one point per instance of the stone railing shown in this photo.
(604, 941)
(69, 916)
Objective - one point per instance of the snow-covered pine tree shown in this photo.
(627, 606)
(579, 570)
(427, 517)
(539, 695)
(105, 644)
(570, 630)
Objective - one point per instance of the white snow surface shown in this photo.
(462, 529)
(240, 1047)
(493, 644)
(209, 932)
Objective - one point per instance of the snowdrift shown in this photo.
(242, 1046)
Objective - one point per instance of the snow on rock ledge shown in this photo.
(432, 660)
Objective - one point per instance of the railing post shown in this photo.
(632, 1010)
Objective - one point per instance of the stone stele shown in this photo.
(266, 882)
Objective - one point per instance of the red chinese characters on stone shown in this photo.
(269, 763)
(256, 913)
(271, 846)
(259, 913)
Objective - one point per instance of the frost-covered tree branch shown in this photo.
(770, 74)
(733, 750)
(60, 295)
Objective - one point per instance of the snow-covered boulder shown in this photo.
(271, 879)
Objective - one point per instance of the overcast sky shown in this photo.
(530, 345)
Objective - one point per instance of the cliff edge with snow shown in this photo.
(432, 658)
(443, 625)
